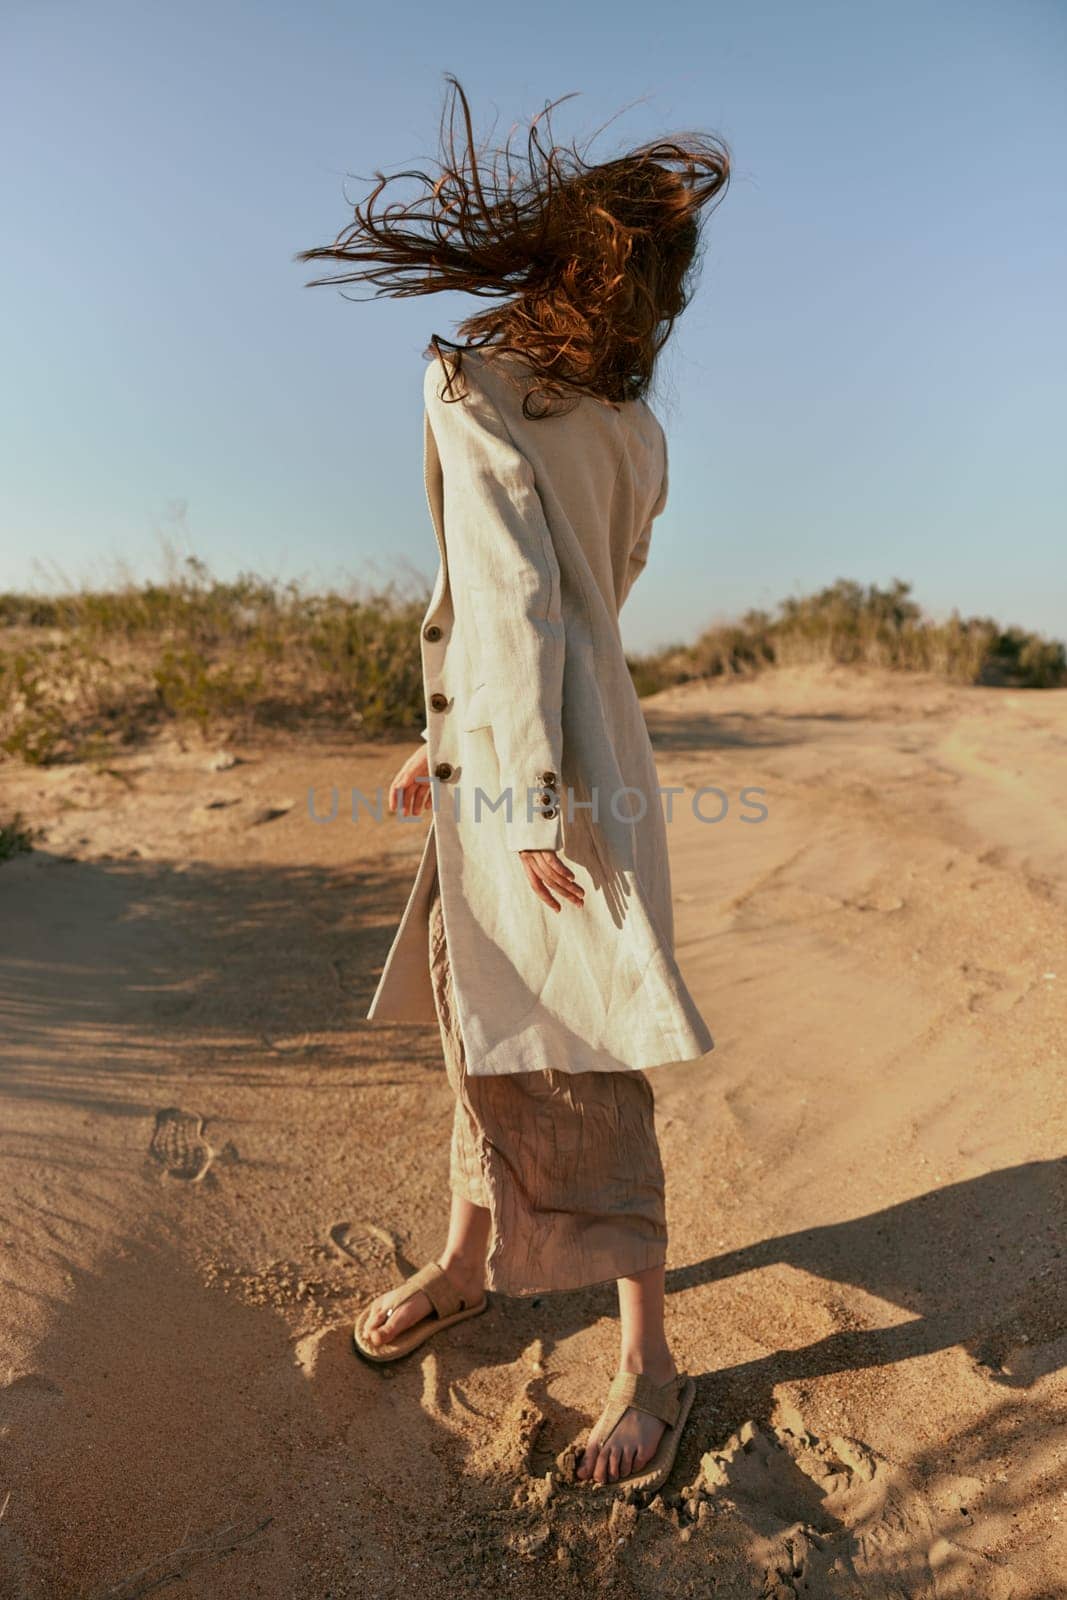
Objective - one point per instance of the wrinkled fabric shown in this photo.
(542, 527)
(567, 1164)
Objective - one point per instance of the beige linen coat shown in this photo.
(542, 527)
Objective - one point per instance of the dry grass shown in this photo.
(82, 673)
(849, 624)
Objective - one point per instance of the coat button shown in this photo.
(443, 769)
(548, 777)
(438, 702)
(431, 631)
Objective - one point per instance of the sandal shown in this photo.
(447, 1308)
(670, 1401)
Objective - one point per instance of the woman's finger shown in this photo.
(560, 876)
(537, 886)
(572, 896)
(545, 868)
(563, 879)
(414, 803)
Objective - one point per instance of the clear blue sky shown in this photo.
(870, 382)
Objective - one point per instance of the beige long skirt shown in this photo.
(567, 1164)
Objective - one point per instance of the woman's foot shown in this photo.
(466, 1274)
(631, 1445)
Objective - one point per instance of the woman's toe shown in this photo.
(374, 1329)
(647, 1451)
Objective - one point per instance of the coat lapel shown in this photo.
(433, 478)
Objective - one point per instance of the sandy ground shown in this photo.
(210, 1162)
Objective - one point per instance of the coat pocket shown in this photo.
(475, 713)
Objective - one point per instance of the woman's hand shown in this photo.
(546, 872)
(544, 868)
(406, 788)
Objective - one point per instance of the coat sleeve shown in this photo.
(639, 553)
(503, 567)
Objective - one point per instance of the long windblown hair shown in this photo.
(591, 262)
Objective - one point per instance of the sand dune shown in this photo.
(210, 1162)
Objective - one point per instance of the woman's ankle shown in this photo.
(464, 1266)
(655, 1359)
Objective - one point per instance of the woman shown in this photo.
(538, 935)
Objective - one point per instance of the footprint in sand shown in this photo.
(179, 1145)
(371, 1248)
(997, 991)
(826, 1515)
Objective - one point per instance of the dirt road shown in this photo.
(210, 1161)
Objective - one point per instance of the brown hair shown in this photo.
(592, 261)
